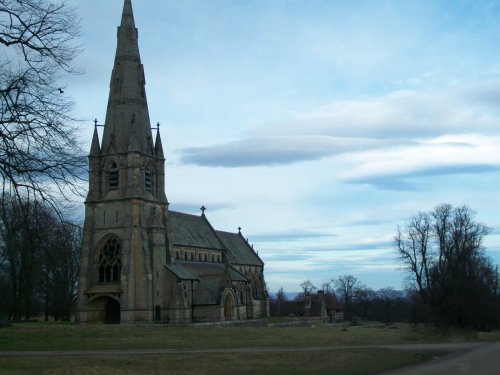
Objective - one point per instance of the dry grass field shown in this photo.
(359, 360)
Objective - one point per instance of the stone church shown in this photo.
(141, 262)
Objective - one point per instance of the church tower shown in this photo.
(124, 239)
(139, 261)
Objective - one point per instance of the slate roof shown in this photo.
(212, 281)
(195, 231)
(191, 230)
(238, 249)
(236, 275)
(181, 272)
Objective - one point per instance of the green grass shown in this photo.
(46, 336)
(50, 336)
(342, 362)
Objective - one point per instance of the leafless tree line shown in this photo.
(450, 279)
(39, 261)
(41, 163)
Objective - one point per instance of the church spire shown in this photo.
(127, 34)
(158, 146)
(127, 95)
(127, 10)
(94, 148)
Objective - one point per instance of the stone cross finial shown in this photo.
(239, 229)
(95, 122)
(203, 208)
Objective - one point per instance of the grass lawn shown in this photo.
(342, 362)
(47, 336)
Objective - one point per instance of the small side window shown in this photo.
(113, 176)
(147, 179)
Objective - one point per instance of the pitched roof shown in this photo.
(236, 275)
(193, 231)
(238, 249)
(211, 279)
(181, 272)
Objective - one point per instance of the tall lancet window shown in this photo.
(148, 179)
(113, 176)
(109, 262)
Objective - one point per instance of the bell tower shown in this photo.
(124, 238)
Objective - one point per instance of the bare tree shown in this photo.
(442, 252)
(346, 287)
(39, 152)
(308, 288)
(40, 255)
(20, 238)
(364, 297)
(327, 287)
(281, 295)
(60, 250)
(388, 297)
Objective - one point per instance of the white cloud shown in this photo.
(445, 155)
(403, 114)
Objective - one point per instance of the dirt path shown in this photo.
(482, 359)
(448, 347)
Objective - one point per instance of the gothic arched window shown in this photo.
(113, 176)
(148, 181)
(109, 262)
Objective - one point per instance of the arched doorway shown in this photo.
(112, 312)
(228, 307)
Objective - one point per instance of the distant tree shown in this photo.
(19, 238)
(327, 287)
(281, 295)
(308, 288)
(418, 311)
(60, 266)
(388, 299)
(39, 258)
(346, 287)
(443, 255)
(39, 152)
(363, 299)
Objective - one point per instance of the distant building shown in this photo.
(320, 305)
(141, 262)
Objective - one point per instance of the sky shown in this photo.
(317, 126)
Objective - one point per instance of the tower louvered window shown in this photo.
(113, 176)
(109, 262)
(147, 179)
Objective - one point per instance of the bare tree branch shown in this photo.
(39, 151)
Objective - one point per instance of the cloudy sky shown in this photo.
(318, 126)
